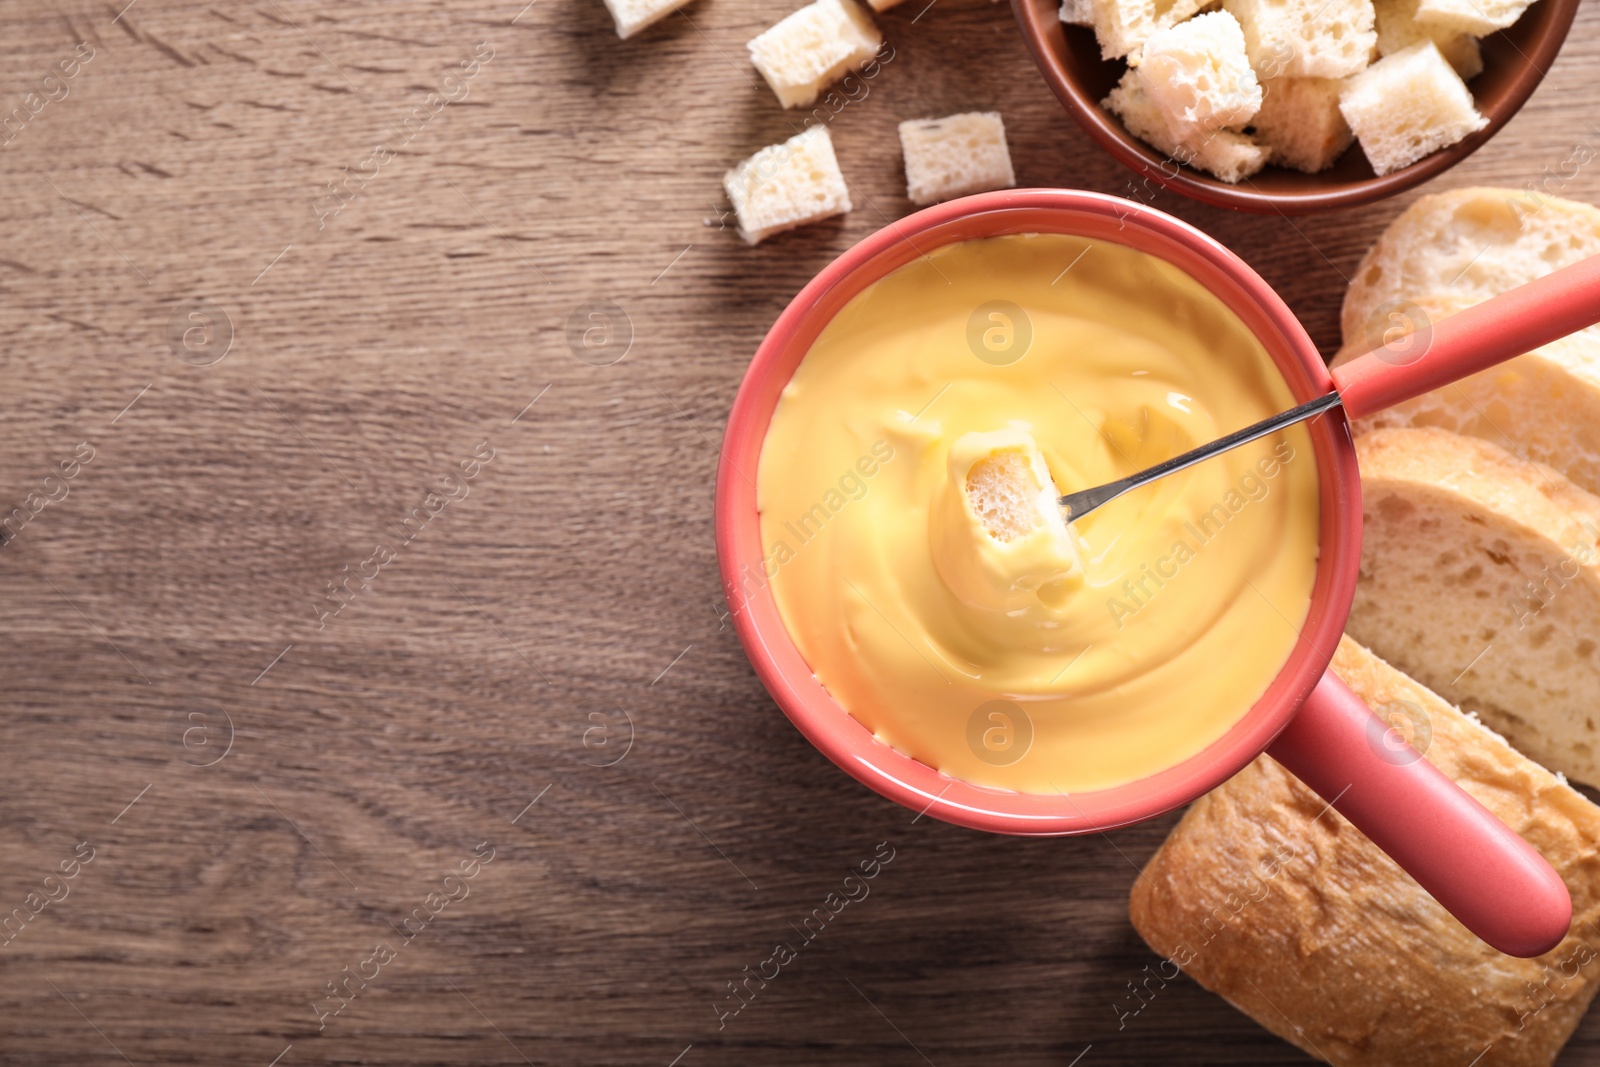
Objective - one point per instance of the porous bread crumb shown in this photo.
(1002, 490)
(1123, 26)
(1229, 155)
(813, 47)
(787, 185)
(1306, 38)
(955, 155)
(1198, 74)
(1408, 105)
(1301, 122)
(1399, 29)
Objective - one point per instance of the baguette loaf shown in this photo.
(1270, 899)
(1480, 577)
(1451, 250)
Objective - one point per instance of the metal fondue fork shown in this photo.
(1079, 504)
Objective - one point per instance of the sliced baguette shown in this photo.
(1451, 250)
(1480, 577)
(1269, 898)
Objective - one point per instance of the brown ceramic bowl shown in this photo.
(1069, 57)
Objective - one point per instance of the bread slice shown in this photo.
(1457, 249)
(1469, 244)
(1301, 123)
(1306, 38)
(787, 185)
(631, 16)
(813, 47)
(1471, 16)
(1199, 74)
(1408, 105)
(955, 155)
(1270, 899)
(1230, 156)
(1399, 29)
(1480, 577)
(1123, 26)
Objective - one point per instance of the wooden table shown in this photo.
(275, 379)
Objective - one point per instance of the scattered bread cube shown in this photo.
(1306, 38)
(1407, 105)
(1268, 897)
(787, 185)
(1230, 156)
(631, 16)
(1199, 74)
(813, 47)
(1470, 16)
(1301, 122)
(1398, 29)
(1077, 12)
(955, 155)
(1123, 26)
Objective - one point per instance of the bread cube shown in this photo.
(883, 5)
(787, 185)
(1230, 156)
(814, 47)
(1199, 74)
(1408, 105)
(1306, 38)
(1123, 26)
(1077, 12)
(1398, 29)
(1477, 17)
(631, 16)
(1301, 122)
(955, 155)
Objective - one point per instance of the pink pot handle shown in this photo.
(1517, 321)
(1472, 863)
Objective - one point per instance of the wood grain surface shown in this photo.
(274, 380)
